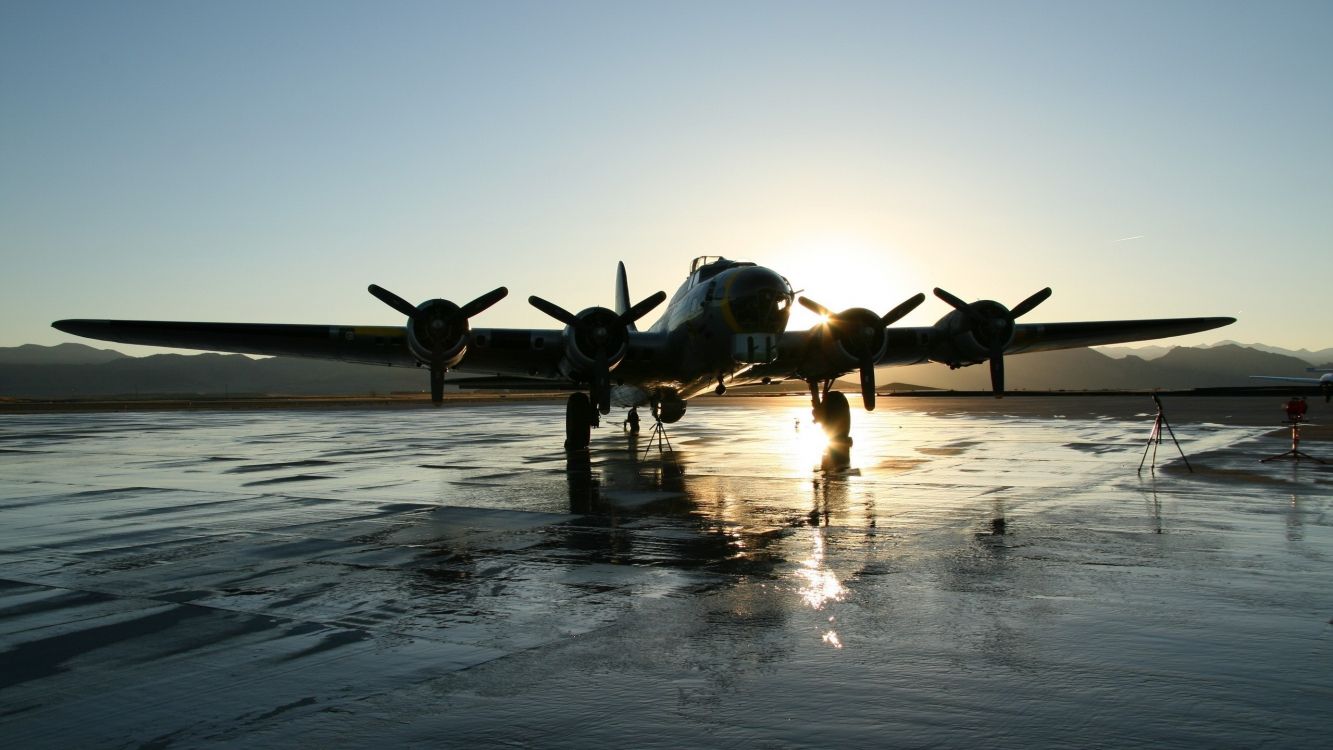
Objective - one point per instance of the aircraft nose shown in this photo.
(759, 300)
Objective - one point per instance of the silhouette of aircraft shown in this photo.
(1325, 381)
(726, 324)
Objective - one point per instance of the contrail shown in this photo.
(1127, 239)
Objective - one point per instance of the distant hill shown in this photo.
(74, 370)
(197, 374)
(60, 354)
(1142, 352)
(1317, 358)
(1087, 369)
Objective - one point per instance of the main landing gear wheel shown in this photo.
(837, 418)
(578, 422)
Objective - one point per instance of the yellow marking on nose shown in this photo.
(727, 315)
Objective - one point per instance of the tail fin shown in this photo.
(622, 293)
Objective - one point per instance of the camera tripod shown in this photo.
(1295, 454)
(659, 436)
(1155, 439)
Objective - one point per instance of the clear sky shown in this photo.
(265, 161)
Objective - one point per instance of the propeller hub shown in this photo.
(598, 340)
(598, 329)
(437, 329)
(991, 326)
(859, 332)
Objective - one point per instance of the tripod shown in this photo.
(1295, 454)
(1155, 439)
(658, 434)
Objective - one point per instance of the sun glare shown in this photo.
(843, 272)
(805, 443)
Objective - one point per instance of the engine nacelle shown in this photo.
(670, 409)
(599, 333)
(438, 330)
(843, 341)
(967, 338)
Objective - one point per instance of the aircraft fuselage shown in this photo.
(723, 320)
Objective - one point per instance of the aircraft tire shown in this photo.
(837, 416)
(578, 422)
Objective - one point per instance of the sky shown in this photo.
(266, 161)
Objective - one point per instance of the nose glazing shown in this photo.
(759, 300)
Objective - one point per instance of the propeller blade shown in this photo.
(953, 301)
(483, 302)
(868, 383)
(960, 305)
(997, 373)
(555, 311)
(897, 313)
(642, 309)
(815, 307)
(601, 384)
(436, 383)
(1025, 307)
(392, 300)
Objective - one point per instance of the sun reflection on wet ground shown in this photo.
(398, 577)
(820, 584)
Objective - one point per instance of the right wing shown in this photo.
(374, 345)
(506, 351)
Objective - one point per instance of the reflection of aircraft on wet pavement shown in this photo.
(726, 324)
(1325, 381)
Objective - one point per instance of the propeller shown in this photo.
(599, 333)
(438, 324)
(861, 333)
(992, 325)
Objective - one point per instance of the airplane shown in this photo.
(727, 323)
(1325, 381)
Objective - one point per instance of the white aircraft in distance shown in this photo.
(726, 324)
(1325, 381)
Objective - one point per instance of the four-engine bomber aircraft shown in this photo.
(726, 324)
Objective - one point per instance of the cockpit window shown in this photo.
(704, 260)
(706, 267)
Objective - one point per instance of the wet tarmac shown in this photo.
(984, 574)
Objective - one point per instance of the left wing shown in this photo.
(816, 351)
(1042, 337)
(963, 337)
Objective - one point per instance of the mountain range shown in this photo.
(1153, 351)
(76, 370)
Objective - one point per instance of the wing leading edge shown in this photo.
(803, 356)
(523, 352)
(378, 345)
(1041, 337)
(537, 352)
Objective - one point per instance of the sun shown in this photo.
(843, 272)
